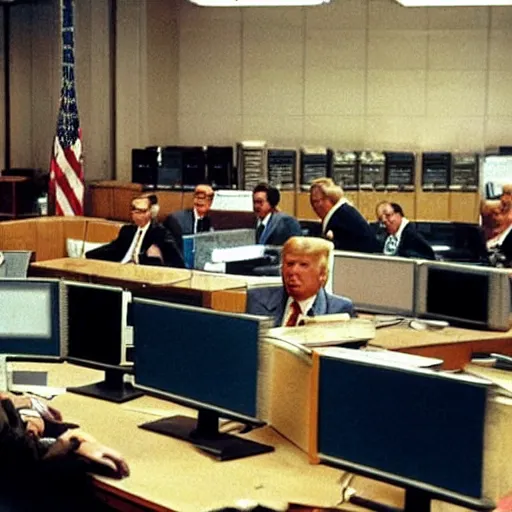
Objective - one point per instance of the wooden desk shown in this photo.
(454, 345)
(167, 474)
(188, 286)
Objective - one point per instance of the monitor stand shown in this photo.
(417, 500)
(113, 388)
(204, 434)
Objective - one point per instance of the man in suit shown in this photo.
(196, 219)
(145, 242)
(402, 238)
(273, 227)
(341, 221)
(304, 271)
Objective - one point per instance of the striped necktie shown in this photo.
(136, 247)
(292, 319)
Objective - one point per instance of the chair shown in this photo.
(15, 263)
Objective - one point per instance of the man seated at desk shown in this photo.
(194, 220)
(304, 271)
(273, 227)
(402, 238)
(44, 461)
(145, 242)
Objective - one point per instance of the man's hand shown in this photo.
(96, 452)
(155, 252)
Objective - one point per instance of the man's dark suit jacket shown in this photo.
(156, 234)
(413, 245)
(280, 227)
(351, 231)
(271, 301)
(185, 220)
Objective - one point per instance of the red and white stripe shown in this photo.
(67, 178)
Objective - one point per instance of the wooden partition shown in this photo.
(46, 236)
(111, 200)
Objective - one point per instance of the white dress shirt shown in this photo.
(132, 249)
(305, 306)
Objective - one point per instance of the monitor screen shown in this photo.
(99, 335)
(204, 359)
(465, 295)
(458, 294)
(30, 318)
(389, 291)
(410, 427)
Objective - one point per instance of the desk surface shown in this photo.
(167, 474)
(452, 344)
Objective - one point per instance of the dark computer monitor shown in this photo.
(465, 295)
(31, 313)
(204, 359)
(410, 427)
(99, 337)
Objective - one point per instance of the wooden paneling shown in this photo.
(287, 202)
(101, 231)
(368, 201)
(170, 202)
(102, 202)
(304, 210)
(187, 200)
(432, 206)
(19, 234)
(51, 243)
(464, 206)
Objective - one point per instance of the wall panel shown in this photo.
(2, 93)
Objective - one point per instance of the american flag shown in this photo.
(66, 171)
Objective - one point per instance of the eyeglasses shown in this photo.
(139, 210)
(201, 195)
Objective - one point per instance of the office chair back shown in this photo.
(15, 263)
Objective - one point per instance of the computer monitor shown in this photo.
(204, 359)
(375, 283)
(100, 338)
(31, 314)
(411, 427)
(205, 243)
(465, 295)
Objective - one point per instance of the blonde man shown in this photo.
(304, 271)
(341, 221)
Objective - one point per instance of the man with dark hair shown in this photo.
(305, 271)
(145, 242)
(341, 221)
(402, 239)
(273, 227)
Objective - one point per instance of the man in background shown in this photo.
(273, 227)
(304, 272)
(194, 220)
(402, 238)
(145, 242)
(341, 221)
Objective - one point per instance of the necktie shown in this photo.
(292, 319)
(136, 247)
(199, 226)
(391, 245)
(259, 231)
